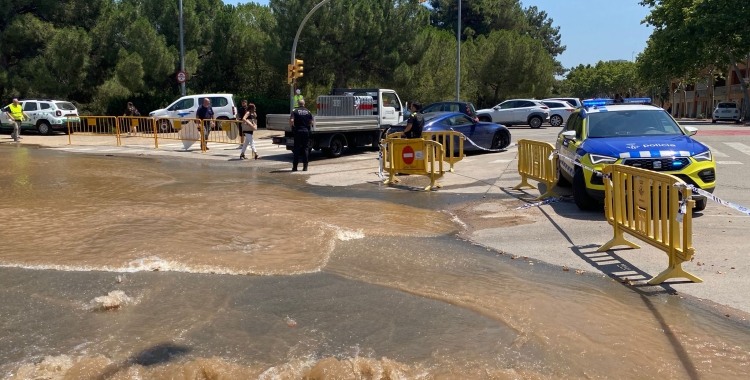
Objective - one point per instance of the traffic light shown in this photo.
(290, 75)
(298, 68)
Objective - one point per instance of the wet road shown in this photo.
(138, 268)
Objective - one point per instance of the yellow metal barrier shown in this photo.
(450, 140)
(413, 156)
(224, 131)
(645, 204)
(101, 126)
(534, 163)
(137, 126)
(186, 130)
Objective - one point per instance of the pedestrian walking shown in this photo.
(297, 98)
(241, 111)
(131, 111)
(249, 125)
(415, 123)
(301, 122)
(206, 114)
(619, 99)
(16, 114)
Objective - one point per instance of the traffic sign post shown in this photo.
(181, 77)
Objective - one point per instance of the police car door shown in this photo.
(390, 109)
(568, 147)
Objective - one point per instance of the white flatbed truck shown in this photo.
(346, 118)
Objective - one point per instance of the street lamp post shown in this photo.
(458, 54)
(182, 51)
(294, 49)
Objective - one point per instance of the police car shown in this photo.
(633, 133)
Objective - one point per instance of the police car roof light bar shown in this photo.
(637, 100)
(597, 102)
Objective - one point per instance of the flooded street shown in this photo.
(143, 268)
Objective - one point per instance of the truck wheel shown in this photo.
(535, 122)
(336, 147)
(376, 140)
(582, 198)
(44, 128)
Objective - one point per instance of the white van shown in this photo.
(187, 106)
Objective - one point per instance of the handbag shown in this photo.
(249, 125)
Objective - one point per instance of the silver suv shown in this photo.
(529, 112)
(46, 115)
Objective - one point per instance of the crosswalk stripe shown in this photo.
(499, 161)
(739, 146)
(716, 153)
(356, 158)
(729, 163)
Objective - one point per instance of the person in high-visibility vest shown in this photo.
(297, 98)
(16, 115)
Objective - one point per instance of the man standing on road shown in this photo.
(297, 98)
(415, 124)
(301, 122)
(205, 113)
(16, 115)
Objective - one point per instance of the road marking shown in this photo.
(729, 163)
(739, 146)
(500, 161)
(715, 152)
(370, 157)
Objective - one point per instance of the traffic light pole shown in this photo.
(294, 50)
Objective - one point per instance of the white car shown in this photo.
(575, 102)
(187, 106)
(46, 115)
(726, 111)
(516, 112)
(559, 111)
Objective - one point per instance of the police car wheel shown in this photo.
(561, 181)
(535, 122)
(581, 197)
(700, 204)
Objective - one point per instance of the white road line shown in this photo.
(716, 153)
(358, 158)
(729, 163)
(739, 146)
(499, 161)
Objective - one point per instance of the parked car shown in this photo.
(187, 106)
(486, 135)
(635, 133)
(516, 112)
(575, 102)
(726, 111)
(464, 107)
(559, 111)
(46, 115)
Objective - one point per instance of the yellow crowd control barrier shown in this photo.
(413, 156)
(187, 130)
(104, 126)
(137, 126)
(534, 163)
(453, 145)
(224, 131)
(646, 204)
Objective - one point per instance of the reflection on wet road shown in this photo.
(258, 276)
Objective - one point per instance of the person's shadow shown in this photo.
(158, 354)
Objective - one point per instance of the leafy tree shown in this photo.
(605, 79)
(693, 35)
(432, 78)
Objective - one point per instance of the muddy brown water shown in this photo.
(133, 268)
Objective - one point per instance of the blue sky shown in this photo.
(592, 30)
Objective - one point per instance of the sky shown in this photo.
(592, 30)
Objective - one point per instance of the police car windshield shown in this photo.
(632, 123)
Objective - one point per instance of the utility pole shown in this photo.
(458, 54)
(182, 51)
(294, 49)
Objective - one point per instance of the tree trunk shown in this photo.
(745, 92)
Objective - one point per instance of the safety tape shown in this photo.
(576, 163)
(485, 149)
(714, 198)
(542, 203)
(381, 163)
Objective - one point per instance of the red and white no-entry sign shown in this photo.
(181, 77)
(407, 155)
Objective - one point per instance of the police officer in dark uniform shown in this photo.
(415, 123)
(301, 122)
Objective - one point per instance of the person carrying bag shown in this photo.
(249, 125)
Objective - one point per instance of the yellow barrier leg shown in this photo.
(524, 183)
(617, 240)
(549, 193)
(674, 271)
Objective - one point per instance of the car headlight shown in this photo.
(601, 159)
(705, 156)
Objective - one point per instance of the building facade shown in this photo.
(696, 100)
